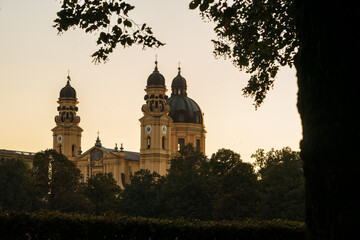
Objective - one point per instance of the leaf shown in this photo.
(204, 6)
(194, 4)
(127, 23)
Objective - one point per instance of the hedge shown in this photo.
(56, 225)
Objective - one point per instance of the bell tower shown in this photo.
(67, 133)
(155, 147)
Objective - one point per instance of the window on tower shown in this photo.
(60, 148)
(181, 144)
(198, 144)
(163, 142)
(148, 142)
(73, 150)
(181, 117)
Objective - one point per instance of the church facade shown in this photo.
(167, 124)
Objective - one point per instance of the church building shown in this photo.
(167, 124)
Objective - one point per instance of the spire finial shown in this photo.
(156, 62)
(68, 76)
(179, 67)
(98, 142)
(121, 148)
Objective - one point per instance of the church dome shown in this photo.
(68, 91)
(183, 108)
(178, 82)
(156, 78)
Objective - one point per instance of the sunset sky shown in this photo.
(34, 63)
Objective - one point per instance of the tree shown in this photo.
(237, 194)
(282, 184)
(17, 186)
(316, 36)
(102, 191)
(327, 72)
(189, 190)
(58, 181)
(258, 36)
(142, 196)
(109, 20)
(223, 161)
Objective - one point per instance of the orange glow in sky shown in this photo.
(34, 63)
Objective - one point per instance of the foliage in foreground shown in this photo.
(220, 188)
(56, 225)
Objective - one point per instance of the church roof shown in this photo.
(68, 92)
(156, 78)
(129, 155)
(5, 153)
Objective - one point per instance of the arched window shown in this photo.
(163, 142)
(197, 118)
(148, 142)
(60, 148)
(181, 117)
(198, 144)
(73, 150)
(151, 105)
(181, 144)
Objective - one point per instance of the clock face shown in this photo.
(164, 129)
(59, 138)
(148, 129)
(96, 157)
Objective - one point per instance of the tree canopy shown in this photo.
(222, 187)
(58, 181)
(142, 196)
(110, 20)
(282, 184)
(102, 191)
(17, 186)
(258, 36)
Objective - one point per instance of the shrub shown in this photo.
(56, 225)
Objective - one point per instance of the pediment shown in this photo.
(87, 155)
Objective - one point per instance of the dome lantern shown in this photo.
(156, 78)
(178, 86)
(182, 108)
(68, 92)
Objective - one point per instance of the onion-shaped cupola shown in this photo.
(182, 108)
(155, 94)
(68, 92)
(67, 105)
(156, 78)
(178, 86)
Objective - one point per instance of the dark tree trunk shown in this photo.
(328, 99)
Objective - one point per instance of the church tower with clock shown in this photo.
(167, 125)
(67, 133)
(155, 147)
